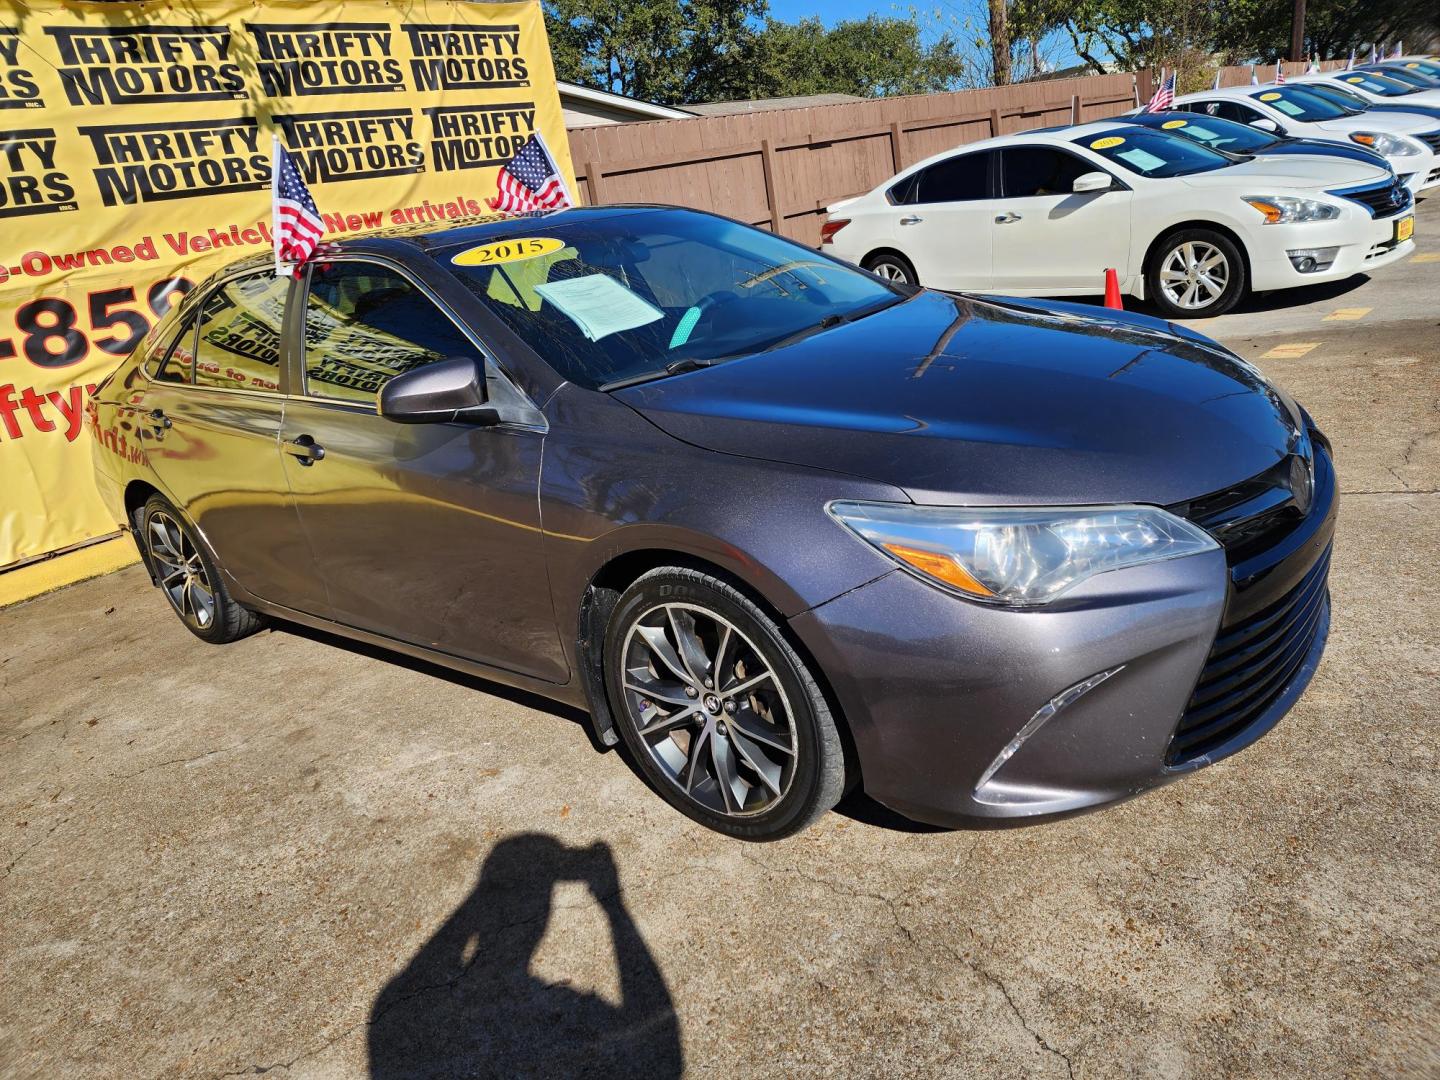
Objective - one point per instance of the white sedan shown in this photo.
(1375, 88)
(1410, 142)
(1045, 213)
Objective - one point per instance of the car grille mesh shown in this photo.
(1381, 199)
(1250, 666)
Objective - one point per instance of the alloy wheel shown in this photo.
(891, 272)
(709, 709)
(1194, 275)
(180, 570)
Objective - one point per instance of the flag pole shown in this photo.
(564, 180)
(282, 269)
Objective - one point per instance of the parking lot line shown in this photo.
(1428, 257)
(1347, 314)
(1291, 351)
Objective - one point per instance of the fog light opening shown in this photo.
(1312, 260)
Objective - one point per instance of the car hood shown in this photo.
(1322, 148)
(1393, 122)
(962, 400)
(1292, 171)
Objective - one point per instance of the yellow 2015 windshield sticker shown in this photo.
(1168, 124)
(1355, 79)
(1270, 97)
(1107, 142)
(504, 251)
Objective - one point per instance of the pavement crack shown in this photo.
(27, 850)
(1393, 491)
(979, 970)
(176, 761)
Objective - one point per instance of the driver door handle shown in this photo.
(158, 418)
(304, 448)
(1007, 217)
(911, 219)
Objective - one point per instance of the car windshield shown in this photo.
(1341, 95)
(1220, 134)
(1300, 104)
(1414, 80)
(1378, 84)
(1154, 154)
(619, 297)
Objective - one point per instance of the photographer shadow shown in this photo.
(467, 1004)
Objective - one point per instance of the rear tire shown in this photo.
(188, 577)
(1195, 274)
(892, 267)
(721, 714)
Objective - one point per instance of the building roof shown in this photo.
(733, 108)
(630, 108)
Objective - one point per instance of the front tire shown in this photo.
(892, 267)
(1195, 274)
(188, 578)
(724, 718)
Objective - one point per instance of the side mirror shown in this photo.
(1092, 181)
(1265, 124)
(438, 393)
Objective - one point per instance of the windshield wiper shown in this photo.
(675, 367)
(835, 320)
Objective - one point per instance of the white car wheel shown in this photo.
(1196, 273)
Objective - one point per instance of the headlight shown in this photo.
(1284, 209)
(1020, 557)
(1387, 145)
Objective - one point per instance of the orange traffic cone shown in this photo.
(1112, 291)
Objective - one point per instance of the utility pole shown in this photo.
(1297, 32)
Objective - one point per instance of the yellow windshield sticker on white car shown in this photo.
(503, 251)
(1106, 143)
(1270, 97)
(1356, 79)
(1168, 124)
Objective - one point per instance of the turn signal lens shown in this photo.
(1272, 213)
(1364, 138)
(830, 228)
(943, 567)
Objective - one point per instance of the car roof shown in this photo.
(1226, 92)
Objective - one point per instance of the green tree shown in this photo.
(666, 51)
(871, 57)
(1261, 29)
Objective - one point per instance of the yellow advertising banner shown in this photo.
(135, 158)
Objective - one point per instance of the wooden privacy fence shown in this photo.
(780, 169)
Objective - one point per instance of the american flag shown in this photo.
(1164, 95)
(296, 220)
(530, 181)
(1279, 73)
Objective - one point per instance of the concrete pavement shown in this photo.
(300, 857)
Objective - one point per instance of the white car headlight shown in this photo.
(1387, 145)
(1020, 557)
(1284, 209)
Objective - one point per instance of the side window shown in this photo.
(1039, 170)
(962, 178)
(905, 191)
(365, 324)
(171, 357)
(238, 344)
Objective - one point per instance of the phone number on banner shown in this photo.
(53, 332)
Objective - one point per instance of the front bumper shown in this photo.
(1364, 245)
(938, 691)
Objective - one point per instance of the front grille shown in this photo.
(1381, 200)
(1431, 139)
(1251, 665)
(1250, 516)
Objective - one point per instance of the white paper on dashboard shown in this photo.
(1141, 159)
(599, 305)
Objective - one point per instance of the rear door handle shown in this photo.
(304, 448)
(911, 219)
(1007, 217)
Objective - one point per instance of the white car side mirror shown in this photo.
(1265, 124)
(1091, 181)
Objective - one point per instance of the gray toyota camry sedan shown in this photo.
(778, 525)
